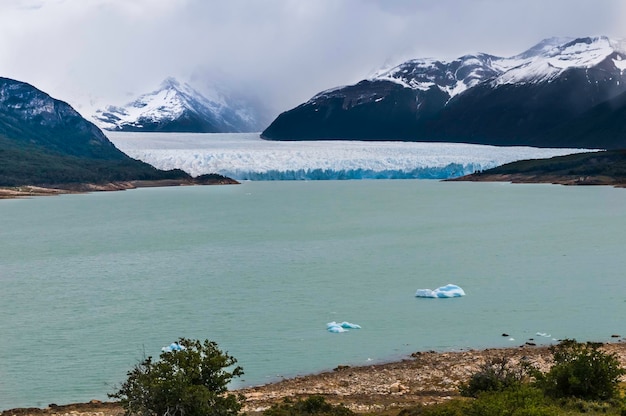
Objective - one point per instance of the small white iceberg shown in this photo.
(447, 291)
(335, 327)
(174, 346)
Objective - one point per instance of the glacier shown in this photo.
(245, 156)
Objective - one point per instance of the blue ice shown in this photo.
(447, 291)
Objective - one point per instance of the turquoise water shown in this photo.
(89, 284)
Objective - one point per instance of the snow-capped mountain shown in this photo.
(543, 62)
(176, 107)
(478, 98)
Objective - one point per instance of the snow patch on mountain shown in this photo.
(620, 63)
(543, 62)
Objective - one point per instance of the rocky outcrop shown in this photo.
(30, 117)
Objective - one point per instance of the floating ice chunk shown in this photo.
(334, 327)
(174, 346)
(341, 327)
(447, 291)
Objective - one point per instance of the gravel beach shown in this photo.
(423, 377)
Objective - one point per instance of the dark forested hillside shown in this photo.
(44, 141)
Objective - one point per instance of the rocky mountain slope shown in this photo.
(534, 98)
(44, 141)
(176, 107)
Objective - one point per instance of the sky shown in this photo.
(93, 53)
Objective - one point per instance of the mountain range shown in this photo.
(559, 93)
(176, 107)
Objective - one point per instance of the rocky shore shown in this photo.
(28, 191)
(424, 377)
(617, 182)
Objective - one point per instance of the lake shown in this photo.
(90, 284)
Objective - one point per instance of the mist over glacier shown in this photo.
(245, 156)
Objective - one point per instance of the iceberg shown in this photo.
(174, 346)
(447, 291)
(335, 327)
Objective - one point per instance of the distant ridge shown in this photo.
(558, 93)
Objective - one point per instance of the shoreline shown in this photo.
(422, 378)
(517, 178)
(28, 191)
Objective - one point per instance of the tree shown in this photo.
(190, 380)
(582, 370)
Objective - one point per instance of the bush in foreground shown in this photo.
(583, 380)
(496, 374)
(191, 381)
(581, 370)
(314, 405)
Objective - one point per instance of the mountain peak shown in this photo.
(543, 61)
(177, 107)
(170, 82)
(543, 47)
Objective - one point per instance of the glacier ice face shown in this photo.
(447, 291)
(245, 156)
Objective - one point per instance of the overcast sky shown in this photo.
(285, 51)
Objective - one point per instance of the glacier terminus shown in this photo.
(245, 156)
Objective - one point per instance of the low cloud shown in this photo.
(281, 51)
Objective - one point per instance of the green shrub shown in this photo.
(519, 400)
(447, 408)
(581, 370)
(314, 405)
(189, 382)
(496, 374)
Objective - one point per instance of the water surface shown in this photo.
(92, 283)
